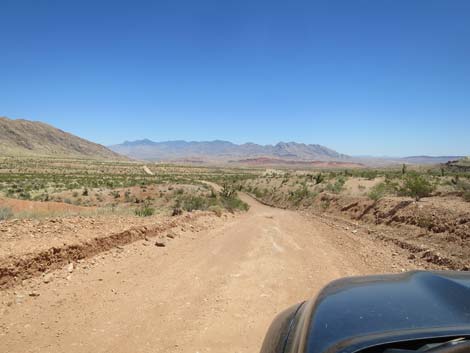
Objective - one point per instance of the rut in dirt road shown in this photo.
(214, 291)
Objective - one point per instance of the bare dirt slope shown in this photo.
(208, 291)
(33, 138)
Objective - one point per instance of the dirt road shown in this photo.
(214, 291)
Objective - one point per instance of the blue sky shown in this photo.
(363, 77)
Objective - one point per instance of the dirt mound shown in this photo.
(426, 215)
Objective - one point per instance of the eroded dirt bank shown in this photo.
(434, 231)
(213, 290)
(35, 247)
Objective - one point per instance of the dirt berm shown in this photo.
(435, 229)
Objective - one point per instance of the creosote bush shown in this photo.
(383, 189)
(416, 186)
(466, 196)
(337, 186)
(5, 213)
(144, 210)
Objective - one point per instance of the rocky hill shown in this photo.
(223, 151)
(31, 138)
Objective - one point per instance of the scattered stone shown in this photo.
(34, 294)
(354, 231)
(70, 267)
(47, 278)
(170, 235)
(160, 244)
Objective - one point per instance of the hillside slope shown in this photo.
(223, 151)
(31, 138)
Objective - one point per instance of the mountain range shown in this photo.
(31, 138)
(219, 150)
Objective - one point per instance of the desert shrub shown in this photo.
(424, 221)
(228, 190)
(466, 196)
(144, 210)
(416, 186)
(300, 194)
(217, 210)
(24, 195)
(377, 192)
(337, 186)
(213, 194)
(382, 189)
(324, 204)
(369, 174)
(319, 178)
(464, 184)
(259, 193)
(194, 203)
(463, 187)
(234, 203)
(5, 213)
(177, 208)
(229, 198)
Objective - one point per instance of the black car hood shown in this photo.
(359, 312)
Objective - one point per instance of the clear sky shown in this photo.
(362, 77)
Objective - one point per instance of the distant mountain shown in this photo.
(265, 161)
(31, 138)
(223, 151)
(430, 159)
(417, 160)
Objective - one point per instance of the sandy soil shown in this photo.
(39, 207)
(214, 290)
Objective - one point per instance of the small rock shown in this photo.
(160, 244)
(34, 294)
(47, 278)
(354, 231)
(70, 267)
